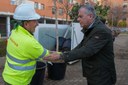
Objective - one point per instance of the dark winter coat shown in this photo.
(96, 53)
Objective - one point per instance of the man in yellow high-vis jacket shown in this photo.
(23, 50)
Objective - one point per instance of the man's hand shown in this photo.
(54, 57)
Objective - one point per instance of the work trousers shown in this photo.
(5, 83)
(9, 84)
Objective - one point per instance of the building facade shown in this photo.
(45, 8)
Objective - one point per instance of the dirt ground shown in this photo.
(73, 72)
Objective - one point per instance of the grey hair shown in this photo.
(89, 9)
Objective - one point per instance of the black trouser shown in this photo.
(100, 80)
(9, 84)
(103, 77)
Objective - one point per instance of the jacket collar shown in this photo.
(96, 21)
(23, 30)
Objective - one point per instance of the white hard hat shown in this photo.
(25, 11)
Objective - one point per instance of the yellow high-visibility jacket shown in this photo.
(23, 50)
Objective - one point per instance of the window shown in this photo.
(60, 1)
(53, 10)
(95, 1)
(3, 29)
(42, 6)
(86, 0)
(125, 6)
(13, 2)
(36, 5)
(70, 1)
(60, 11)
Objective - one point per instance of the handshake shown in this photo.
(54, 57)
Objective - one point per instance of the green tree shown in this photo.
(74, 12)
(101, 11)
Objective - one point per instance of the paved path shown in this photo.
(73, 74)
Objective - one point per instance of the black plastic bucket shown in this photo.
(56, 71)
(38, 77)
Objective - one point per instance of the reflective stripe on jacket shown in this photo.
(23, 50)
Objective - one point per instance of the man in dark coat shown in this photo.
(95, 50)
